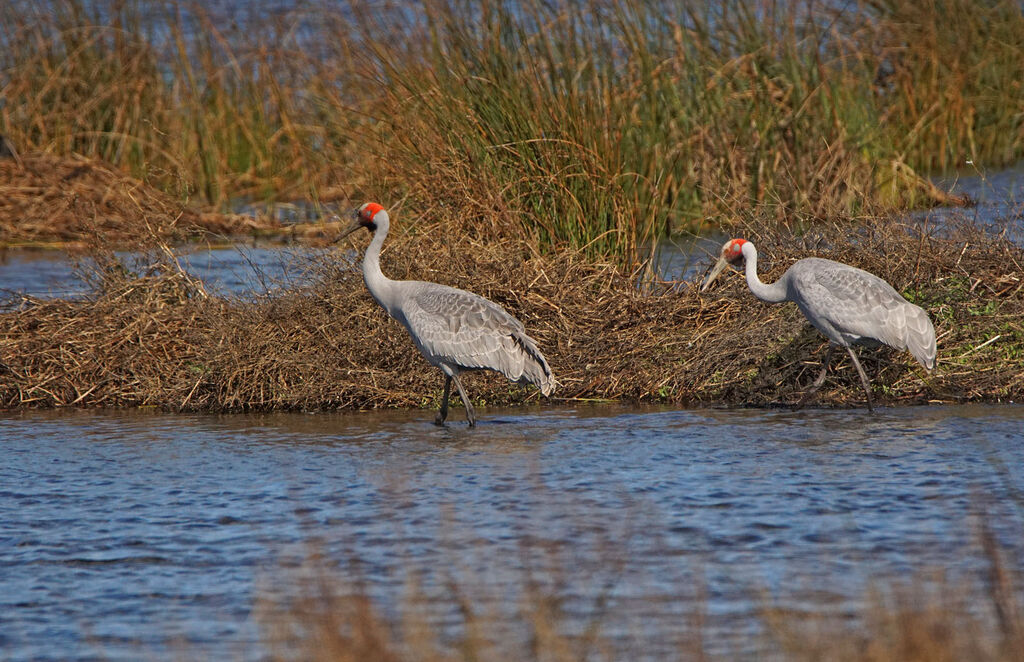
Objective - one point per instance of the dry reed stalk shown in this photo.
(641, 118)
(929, 618)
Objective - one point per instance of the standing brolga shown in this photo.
(848, 305)
(455, 330)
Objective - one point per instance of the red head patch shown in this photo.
(733, 250)
(368, 211)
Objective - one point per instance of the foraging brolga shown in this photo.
(455, 330)
(848, 305)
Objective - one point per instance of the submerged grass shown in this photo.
(155, 337)
(598, 126)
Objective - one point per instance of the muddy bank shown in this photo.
(158, 339)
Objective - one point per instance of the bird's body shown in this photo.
(455, 330)
(852, 306)
(846, 304)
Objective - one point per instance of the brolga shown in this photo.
(455, 330)
(847, 305)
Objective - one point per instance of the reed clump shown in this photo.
(602, 126)
(153, 336)
(74, 202)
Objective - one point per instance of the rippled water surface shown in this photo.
(998, 200)
(127, 536)
(233, 269)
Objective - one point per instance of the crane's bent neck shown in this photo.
(380, 286)
(773, 293)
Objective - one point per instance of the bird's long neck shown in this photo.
(380, 286)
(773, 293)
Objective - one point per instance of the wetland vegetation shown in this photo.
(151, 335)
(528, 168)
(601, 126)
(530, 152)
(934, 616)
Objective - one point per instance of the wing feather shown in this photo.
(467, 331)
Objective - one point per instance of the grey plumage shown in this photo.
(852, 306)
(847, 305)
(468, 332)
(455, 330)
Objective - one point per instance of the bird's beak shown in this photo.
(718, 268)
(349, 230)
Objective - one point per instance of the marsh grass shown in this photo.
(150, 335)
(75, 203)
(956, 69)
(934, 617)
(599, 126)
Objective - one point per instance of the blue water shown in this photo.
(247, 270)
(126, 536)
(223, 270)
(998, 198)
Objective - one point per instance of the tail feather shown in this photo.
(920, 337)
(536, 370)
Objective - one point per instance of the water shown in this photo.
(998, 197)
(245, 270)
(235, 269)
(1001, 191)
(128, 536)
(131, 536)
(686, 257)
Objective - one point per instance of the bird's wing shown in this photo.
(859, 304)
(467, 330)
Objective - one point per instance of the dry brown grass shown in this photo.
(930, 618)
(155, 338)
(75, 201)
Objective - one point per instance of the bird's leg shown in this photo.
(816, 386)
(470, 414)
(443, 413)
(863, 377)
